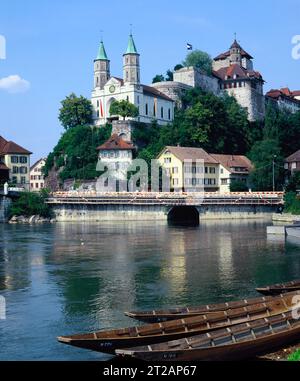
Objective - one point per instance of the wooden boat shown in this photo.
(280, 288)
(237, 342)
(185, 312)
(108, 341)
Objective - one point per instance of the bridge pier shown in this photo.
(4, 206)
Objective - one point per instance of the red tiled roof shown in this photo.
(224, 55)
(116, 142)
(9, 147)
(294, 157)
(284, 93)
(191, 153)
(232, 161)
(236, 70)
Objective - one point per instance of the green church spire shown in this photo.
(101, 52)
(131, 48)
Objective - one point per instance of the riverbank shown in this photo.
(30, 220)
(285, 217)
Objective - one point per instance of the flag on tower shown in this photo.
(189, 46)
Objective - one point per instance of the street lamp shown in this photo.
(274, 157)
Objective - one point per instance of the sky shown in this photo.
(51, 45)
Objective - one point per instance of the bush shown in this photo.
(31, 203)
(238, 186)
(291, 203)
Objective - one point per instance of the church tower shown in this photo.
(101, 68)
(131, 64)
(235, 53)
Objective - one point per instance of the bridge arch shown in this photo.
(183, 215)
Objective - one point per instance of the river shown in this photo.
(65, 278)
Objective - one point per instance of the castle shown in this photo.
(232, 73)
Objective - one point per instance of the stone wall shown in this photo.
(196, 78)
(4, 206)
(125, 212)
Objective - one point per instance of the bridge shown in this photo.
(90, 206)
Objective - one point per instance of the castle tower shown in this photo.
(235, 53)
(101, 68)
(131, 64)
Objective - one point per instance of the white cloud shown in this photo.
(14, 84)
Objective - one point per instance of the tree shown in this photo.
(169, 76)
(75, 155)
(123, 108)
(294, 183)
(31, 203)
(75, 111)
(262, 155)
(178, 67)
(200, 60)
(238, 186)
(158, 78)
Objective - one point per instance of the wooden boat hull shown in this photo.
(280, 288)
(186, 312)
(233, 345)
(108, 341)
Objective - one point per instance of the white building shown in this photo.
(152, 104)
(284, 99)
(37, 181)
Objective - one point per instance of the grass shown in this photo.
(295, 356)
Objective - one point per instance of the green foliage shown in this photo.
(291, 203)
(75, 111)
(123, 108)
(169, 75)
(238, 186)
(75, 153)
(294, 183)
(178, 67)
(30, 203)
(295, 356)
(158, 78)
(200, 60)
(262, 155)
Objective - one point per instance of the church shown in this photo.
(151, 103)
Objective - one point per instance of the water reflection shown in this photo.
(67, 278)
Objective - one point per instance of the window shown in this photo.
(222, 170)
(162, 112)
(175, 181)
(15, 169)
(175, 170)
(212, 170)
(23, 159)
(206, 169)
(126, 75)
(146, 108)
(14, 159)
(138, 99)
(97, 103)
(167, 160)
(23, 170)
(14, 179)
(36, 185)
(154, 110)
(169, 114)
(42, 185)
(23, 179)
(127, 98)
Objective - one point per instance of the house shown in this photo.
(115, 155)
(292, 163)
(284, 99)
(190, 167)
(14, 163)
(36, 175)
(232, 168)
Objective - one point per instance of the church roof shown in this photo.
(116, 142)
(9, 147)
(101, 52)
(149, 90)
(131, 48)
(236, 71)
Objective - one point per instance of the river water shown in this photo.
(63, 278)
